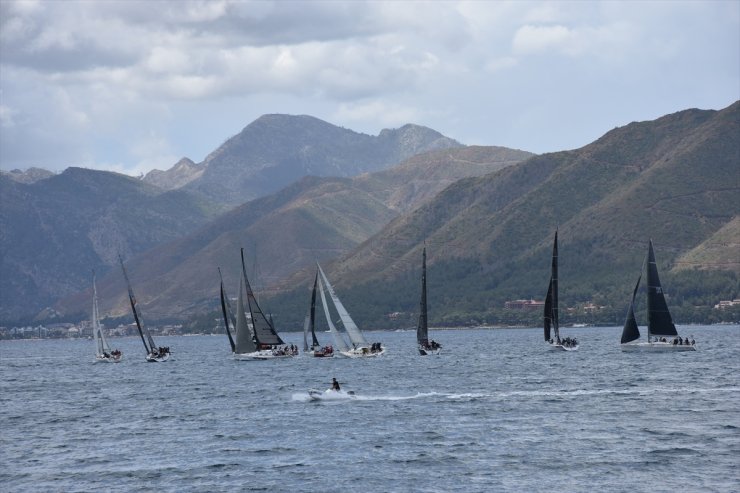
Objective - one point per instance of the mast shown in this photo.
(631, 332)
(264, 332)
(225, 312)
(422, 329)
(349, 325)
(659, 318)
(338, 339)
(148, 341)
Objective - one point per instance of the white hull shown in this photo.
(331, 395)
(559, 347)
(107, 359)
(657, 347)
(157, 359)
(428, 352)
(260, 355)
(361, 353)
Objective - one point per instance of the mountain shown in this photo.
(674, 180)
(54, 231)
(277, 150)
(313, 219)
(31, 175)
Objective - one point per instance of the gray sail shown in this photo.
(349, 325)
(244, 342)
(659, 318)
(630, 332)
(101, 345)
(226, 311)
(264, 332)
(422, 329)
(338, 339)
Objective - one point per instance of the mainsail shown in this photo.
(659, 318)
(551, 300)
(630, 332)
(422, 329)
(264, 332)
(227, 313)
(310, 324)
(146, 337)
(349, 325)
(244, 342)
(101, 345)
(338, 339)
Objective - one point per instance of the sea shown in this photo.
(496, 411)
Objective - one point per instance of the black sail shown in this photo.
(659, 318)
(630, 332)
(548, 311)
(146, 337)
(225, 312)
(422, 329)
(312, 314)
(554, 284)
(264, 332)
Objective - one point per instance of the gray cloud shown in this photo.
(128, 85)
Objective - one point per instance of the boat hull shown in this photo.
(656, 347)
(428, 352)
(260, 355)
(560, 347)
(361, 353)
(109, 359)
(331, 395)
(150, 358)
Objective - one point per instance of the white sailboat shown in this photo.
(660, 324)
(103, 352)
(360, 347)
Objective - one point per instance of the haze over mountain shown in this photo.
(276, 150)
(55, 231)
(314, 219)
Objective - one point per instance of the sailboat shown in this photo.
(360, 347)
(103, 353)
(154, 353)
(309, 325)
(660, 324)
(422, 329)
(551, 315)
(262, 341)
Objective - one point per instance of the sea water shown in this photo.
(496, 411)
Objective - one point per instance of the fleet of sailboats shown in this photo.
(426, 346)
(660, 325)
(359, 348)
(103, 352)
(551, 315)
(252, 335)
(154, 353)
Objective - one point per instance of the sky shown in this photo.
(131, 86)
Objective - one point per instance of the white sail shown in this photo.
(349, 325)
(338, 339)
(101, 345)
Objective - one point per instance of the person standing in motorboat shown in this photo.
(335, 385)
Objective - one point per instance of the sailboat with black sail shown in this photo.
(426, 347)
(154, 353)
(103, 352)
(552, 315)
(309, 326)
(662, 335)
(360, 347)
(263, 341)
(227, 313)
